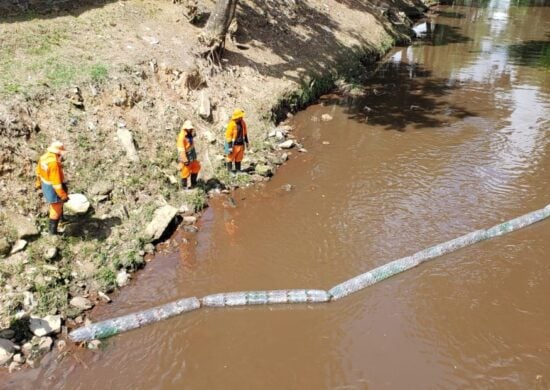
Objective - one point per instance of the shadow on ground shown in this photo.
(88, 227)
(13, 11)
(273, 26)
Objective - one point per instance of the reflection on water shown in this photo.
(452, 135)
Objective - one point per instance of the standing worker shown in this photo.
(187, 155)
(51, 180)
(236, 137)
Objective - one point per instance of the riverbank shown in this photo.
(119, 109)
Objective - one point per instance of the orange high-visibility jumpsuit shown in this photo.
(187, 155)
(50, 178)
(236, 136)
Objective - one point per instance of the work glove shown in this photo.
(65, 199)
(229, 147)
(186, 163)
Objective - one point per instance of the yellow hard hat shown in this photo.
(57, 147)
(187, 125)
(237, 114)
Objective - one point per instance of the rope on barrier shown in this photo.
(131, 321)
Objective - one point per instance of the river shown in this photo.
(452, 135)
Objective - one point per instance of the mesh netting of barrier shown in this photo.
(265, 297)
(104, 329)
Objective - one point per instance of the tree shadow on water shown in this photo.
(442, 34)
(450, 14)
(531, 53)
(302, 39)
(412, 8)
(401, 96)
(487, 3)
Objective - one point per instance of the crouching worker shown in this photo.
(236, 137)
(187, 156)
(51, 180)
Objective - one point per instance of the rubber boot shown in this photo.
(229, 166)
(61, 224)
(238, 166)
(194, 179)
(52, 228)
(184, 183)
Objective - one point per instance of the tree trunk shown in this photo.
(216, 28)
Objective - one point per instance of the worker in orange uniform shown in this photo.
(187, 155)
(51, 180)
(236, 138)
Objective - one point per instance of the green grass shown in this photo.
(60, 74)
(238, 180)
(316, 84)
(8, 271)
(51, 298)
(83, 141)
(131, 260)
(197, 199)
(545, 57)
(13, 88)
(99, 73)
(107, 278)
(8, 86)
(43, 41)
(40, 55)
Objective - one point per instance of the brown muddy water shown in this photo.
(453, 135)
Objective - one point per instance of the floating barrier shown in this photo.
(117, 325)
(104, 329)
(397, 266)
(385, 271)
(265, 297)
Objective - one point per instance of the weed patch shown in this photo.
(61, 74)
(51, 299)
(98, 73)
(13, 88)
(43, 40)
(107, 278)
